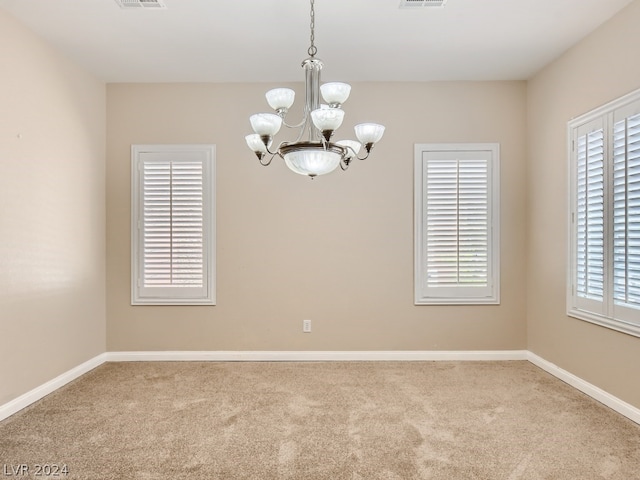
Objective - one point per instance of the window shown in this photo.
(604, 248)
(457, 224)
(173, 225)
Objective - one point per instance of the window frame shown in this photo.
(605, 313)
(205, 295)
(458, 295)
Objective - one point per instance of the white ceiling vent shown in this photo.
(422, 3)
(137, 4)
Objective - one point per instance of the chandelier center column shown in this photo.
(312, 68)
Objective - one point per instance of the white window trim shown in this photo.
(209, 229)
(423, 294)
(608, 315)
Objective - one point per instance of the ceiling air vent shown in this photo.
(422, 3)
(149, 4)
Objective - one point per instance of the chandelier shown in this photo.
(313, 152)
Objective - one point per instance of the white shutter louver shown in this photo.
(590, 215)
(456, 209)
(626, 211)
(172, 248)
(173, 224)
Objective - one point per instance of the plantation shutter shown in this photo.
(590, 214)
(457, 222)
(605, 214)
(626, 211)
(457, 213)
(174, 227)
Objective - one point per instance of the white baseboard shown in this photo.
(45, 389)
(315, 356)
(620, 406)
(596, 393)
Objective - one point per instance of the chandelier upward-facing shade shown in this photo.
(312, 153)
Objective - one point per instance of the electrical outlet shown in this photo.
(306, 326)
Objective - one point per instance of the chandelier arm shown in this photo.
(273, 154)
(294, 126)
(268, 162)
(362, 158)
(304, 124)
(277, 151)
(344, 164)
(354, 154)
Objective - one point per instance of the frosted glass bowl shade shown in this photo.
(312, 159)
(369, 132)
(335, 93)
(265, 123)
(280, 98)
(327, 118)
(255, 143)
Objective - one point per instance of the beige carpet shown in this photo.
(313, 421)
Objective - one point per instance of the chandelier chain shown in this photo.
(312, 48)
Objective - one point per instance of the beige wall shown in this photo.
(599, 69)
(52, 213)
(337, 250)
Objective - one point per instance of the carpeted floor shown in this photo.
(316, 421)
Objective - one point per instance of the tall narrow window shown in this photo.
(604, 262)
(173, 224)
(457, 224)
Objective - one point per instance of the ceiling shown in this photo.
(358, 40)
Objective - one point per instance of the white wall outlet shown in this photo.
(306, 326)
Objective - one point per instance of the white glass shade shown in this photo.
(312, 162)
(369, 132)
(266, 123)
(353, 147)
(335, 92)
(327, 118)
(280, 98)
(255, 143)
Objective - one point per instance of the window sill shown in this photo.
(603, 321)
